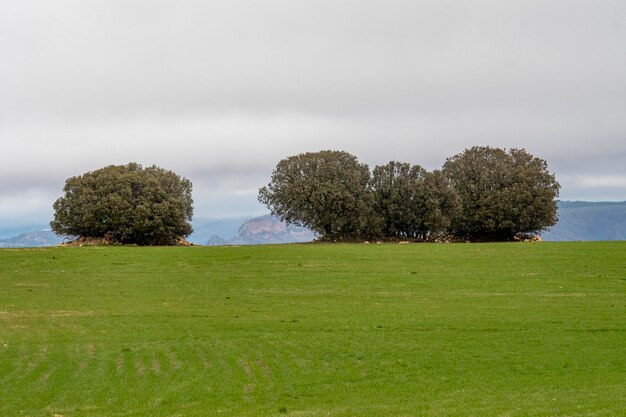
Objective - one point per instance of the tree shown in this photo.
(325, 191)
(127, 204)
(411, 202)
(396, 187)
(439, 202)
(501, 193)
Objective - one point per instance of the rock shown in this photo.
(269, 229)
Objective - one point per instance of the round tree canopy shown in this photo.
(325, 191)
(501, 193)
(126, 204)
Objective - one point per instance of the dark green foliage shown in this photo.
(501, 193)
(396, 188)
(325, 191)
(440, 203)
(411, 202)
(126, 204)
(483, 193)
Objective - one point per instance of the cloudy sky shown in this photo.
(219, 91)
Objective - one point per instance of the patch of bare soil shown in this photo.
(90, 241)
(99, 241)
(402, 240)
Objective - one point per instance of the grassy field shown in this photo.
(315, 330)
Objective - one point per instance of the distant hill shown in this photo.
(9, 231)
(269, 230)
(205, 229)
(216, 240)
(583, 220)
(31, 239)
(265, 229)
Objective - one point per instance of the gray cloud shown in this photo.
(220, 91)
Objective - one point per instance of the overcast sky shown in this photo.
(220, 91)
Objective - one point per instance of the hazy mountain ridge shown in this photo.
(204, 230)
(584, 220)
(31, 239)
(269, 229)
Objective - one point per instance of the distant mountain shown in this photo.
(270, 230)
(31, 239)
(216, 240)
(8, 231)
(583, 220)
(261, 230)
(205, 229)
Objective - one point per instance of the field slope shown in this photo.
(314, 330)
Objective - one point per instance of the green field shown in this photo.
(514, 329)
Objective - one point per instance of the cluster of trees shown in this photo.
(483, 193)
(126, 204)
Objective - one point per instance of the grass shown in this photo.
(314, 330)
